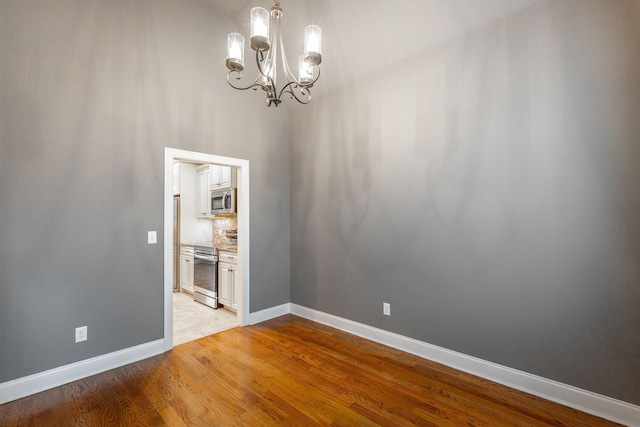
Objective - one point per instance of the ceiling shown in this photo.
(363, 36)
(232, 7)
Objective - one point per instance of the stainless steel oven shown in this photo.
(205, 275)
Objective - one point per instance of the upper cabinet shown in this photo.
(203, 179)
(221, 177)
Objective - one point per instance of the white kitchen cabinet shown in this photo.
(228, 283)
(235, 295)
(186, 269)
(224, 284)
(222, 177)
(225, 176)
(203, 179)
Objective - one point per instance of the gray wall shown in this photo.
(488, 190)
(91, 91)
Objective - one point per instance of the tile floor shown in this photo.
(192, 320)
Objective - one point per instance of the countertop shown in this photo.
(228, 248)
(219, 247)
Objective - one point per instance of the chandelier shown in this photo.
(266, 40)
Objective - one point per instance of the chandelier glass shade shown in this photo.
(266, 41)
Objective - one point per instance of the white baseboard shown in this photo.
(41, 381)
(269, 313)
(586, 401)
(593, 403)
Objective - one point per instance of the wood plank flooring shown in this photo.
(287, 372)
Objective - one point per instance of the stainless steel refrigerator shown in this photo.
(176, 243)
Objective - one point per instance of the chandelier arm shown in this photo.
(260, 60)
(289, 88)
(275, 37)
(285, 64)
(317, 67)
(301, 101)
(254, 85)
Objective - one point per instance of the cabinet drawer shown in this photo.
(226, 266)
(228, 257)
(186, 250)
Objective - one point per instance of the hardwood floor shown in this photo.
(287, 371)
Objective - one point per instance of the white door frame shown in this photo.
(171, 154)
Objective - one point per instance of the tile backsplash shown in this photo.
(220, 227)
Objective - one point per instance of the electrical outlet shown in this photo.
(386, 309)
(152, 237)
(81, 334)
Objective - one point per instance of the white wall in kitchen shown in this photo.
(192, 229)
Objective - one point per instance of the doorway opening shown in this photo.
(242, 292)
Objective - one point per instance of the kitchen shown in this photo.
(206, 282)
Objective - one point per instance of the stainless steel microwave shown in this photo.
(223, 201)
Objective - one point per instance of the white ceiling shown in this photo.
(363, 36)
(232, 7)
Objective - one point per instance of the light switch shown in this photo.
(152, 237)
(386, 309)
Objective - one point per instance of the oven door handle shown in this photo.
(206, 258)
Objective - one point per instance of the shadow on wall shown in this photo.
(493, 204)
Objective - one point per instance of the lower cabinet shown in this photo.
(224, 284)
(236, 289)
(186, 269)
(228, 283)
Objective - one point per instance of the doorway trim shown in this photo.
(171, 154)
